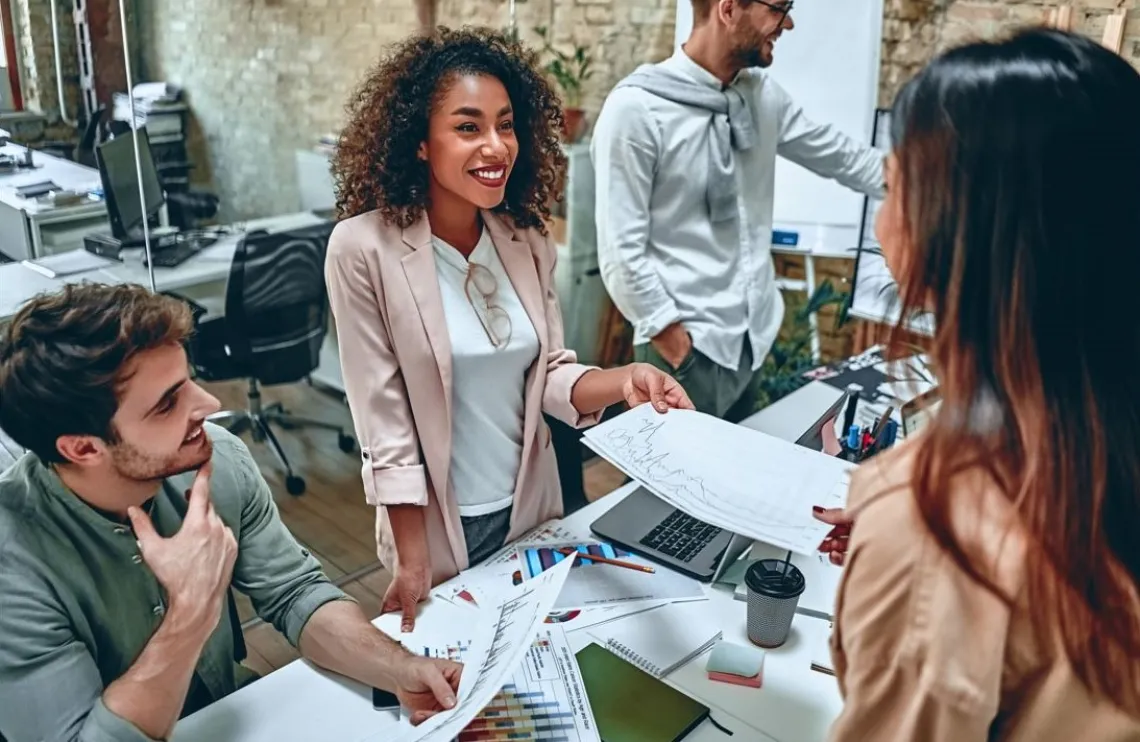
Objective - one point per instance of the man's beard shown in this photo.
(131, 463)
(750, 52)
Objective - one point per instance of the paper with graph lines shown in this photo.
(741, 480)
(499, 640)
(544, 699)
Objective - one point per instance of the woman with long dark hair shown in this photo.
(991, 587)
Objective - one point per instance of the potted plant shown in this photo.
(569, 72)
(790, 356)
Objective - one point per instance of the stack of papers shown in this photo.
(67, 263)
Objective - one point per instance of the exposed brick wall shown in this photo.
(265, 77)
(915, 30)
(619, 34)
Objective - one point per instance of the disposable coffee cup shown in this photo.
(774, 589)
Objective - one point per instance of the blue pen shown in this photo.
(853, 438)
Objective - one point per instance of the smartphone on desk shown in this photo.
(382, 700)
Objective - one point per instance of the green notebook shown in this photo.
(630, 705)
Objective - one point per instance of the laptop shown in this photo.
(646, 525)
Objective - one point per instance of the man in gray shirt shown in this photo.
(123, 529)
(685, 159)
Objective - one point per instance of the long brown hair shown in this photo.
(1021, 207)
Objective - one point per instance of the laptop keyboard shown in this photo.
(680, 536)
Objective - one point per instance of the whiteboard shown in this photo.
(829, 64)
(875, 294)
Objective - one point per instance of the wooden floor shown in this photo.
(331, 518)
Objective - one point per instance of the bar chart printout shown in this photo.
(544, 699)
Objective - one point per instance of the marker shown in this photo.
(853, 437)
(892, 433)
(852, 403)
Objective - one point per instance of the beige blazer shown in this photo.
(924, 652)
(395, 355)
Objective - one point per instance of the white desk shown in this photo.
(796, 704)
(30, 228)
(203, 275)
(201, 278)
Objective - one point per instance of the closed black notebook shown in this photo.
(630, 705)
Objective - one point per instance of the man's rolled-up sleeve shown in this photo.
(282, 578)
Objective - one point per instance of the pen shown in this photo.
(606, 560)
(881, 425)
(882, 421)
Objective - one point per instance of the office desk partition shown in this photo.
(796, 703)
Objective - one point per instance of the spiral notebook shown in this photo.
(662, 639)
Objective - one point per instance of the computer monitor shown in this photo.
(117, 170)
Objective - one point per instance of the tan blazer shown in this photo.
(396, 359)
(923, 652)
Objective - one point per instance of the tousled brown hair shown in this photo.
(376, 166)
(1022, 240)
(64, 357)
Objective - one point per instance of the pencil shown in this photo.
(605, 560)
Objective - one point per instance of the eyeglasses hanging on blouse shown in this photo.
(495, 320)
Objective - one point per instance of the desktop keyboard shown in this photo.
(169, 251)
(680, 536)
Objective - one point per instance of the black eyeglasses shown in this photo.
(783, 9)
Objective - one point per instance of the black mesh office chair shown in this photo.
(275, 320)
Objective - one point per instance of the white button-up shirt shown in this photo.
(661, 258)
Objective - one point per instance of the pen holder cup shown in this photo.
(774, 589)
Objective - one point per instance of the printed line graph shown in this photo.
(726, 475)
(635, 445)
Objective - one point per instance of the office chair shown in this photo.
(276, 318)
(84, 152)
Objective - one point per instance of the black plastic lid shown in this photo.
(775, 578)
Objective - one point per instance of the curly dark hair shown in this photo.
(376, 166)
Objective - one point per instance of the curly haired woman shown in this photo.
(441, 279)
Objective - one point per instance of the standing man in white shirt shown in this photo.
(685, 155)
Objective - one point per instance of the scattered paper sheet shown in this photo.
(500, 639)
(738, 479)
(545, 698)
(487, 583)
(593, 584)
